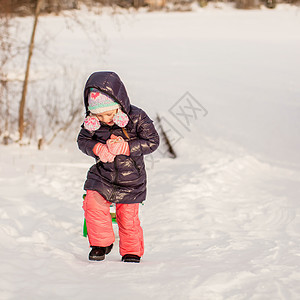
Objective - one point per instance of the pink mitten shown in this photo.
(91, 123)
(103, 153)
(116, 145)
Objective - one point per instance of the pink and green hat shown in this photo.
(100, 102)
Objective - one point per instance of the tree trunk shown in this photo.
(25, 83)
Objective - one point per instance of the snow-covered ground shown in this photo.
(222, 220)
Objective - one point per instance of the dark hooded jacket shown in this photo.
(124, 179)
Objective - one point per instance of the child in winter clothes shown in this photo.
(118, 135)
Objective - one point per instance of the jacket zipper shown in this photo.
(113, 196)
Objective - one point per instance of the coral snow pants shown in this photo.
(100, 229)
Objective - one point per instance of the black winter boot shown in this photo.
(131, 258)
(108, 249)
(98, 253)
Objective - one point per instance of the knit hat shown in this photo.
(100, 102)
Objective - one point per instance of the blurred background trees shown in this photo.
(27, 7)
(12, 81)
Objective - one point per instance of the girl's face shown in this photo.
(107, 117)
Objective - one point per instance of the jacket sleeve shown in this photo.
(86, 143)
(148, 138)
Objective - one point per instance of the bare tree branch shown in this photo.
(30, 52)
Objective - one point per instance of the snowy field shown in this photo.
(222, 220)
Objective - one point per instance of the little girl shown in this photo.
(118, 135)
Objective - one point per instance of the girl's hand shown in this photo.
(103, 153)
(116, 145)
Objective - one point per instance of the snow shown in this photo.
(222, 220)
